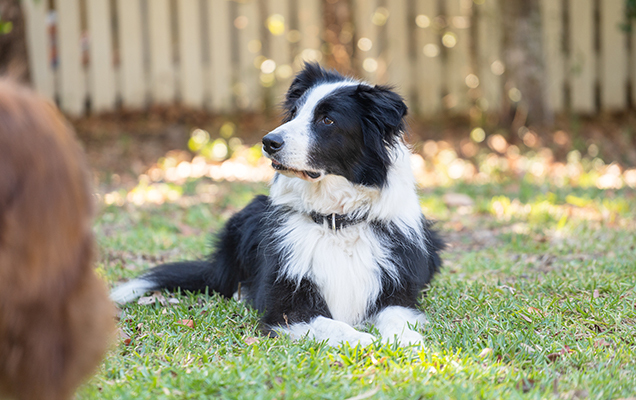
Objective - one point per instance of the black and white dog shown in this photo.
(341, 239)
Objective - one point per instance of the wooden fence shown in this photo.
(227, 56)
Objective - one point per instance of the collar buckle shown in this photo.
(335, 221)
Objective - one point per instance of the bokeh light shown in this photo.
(449, 39)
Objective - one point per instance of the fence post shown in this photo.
(248, 88)
(191, 70)
(101, 72)
(489, 60)
(71, 74)
(457, 41)
(38, 47)
(581, 65)
(613, 63)
(280, 52)
(131, 67)
(162, 73)
(398, 60)
(310, 24)
(220, 29)
(553, 31)
(366, 36)
(426, 74)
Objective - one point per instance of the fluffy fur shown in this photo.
(339, 153)
(55, 315)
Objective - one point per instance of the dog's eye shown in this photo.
(327, 121)
(292, 113)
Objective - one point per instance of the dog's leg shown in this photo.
(327, 329)
(398, 323)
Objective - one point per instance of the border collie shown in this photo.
(341, 239)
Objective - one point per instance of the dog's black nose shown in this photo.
(273, 142)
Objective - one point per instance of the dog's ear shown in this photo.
(384, 111)
(382, 118)
(382, 123)
(311, 74)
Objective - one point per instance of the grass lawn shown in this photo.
(536, 300)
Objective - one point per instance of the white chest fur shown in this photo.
(345, 265)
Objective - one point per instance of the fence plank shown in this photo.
(310, 26)
(632, 64)
(458, 67)
(101, 71)
(279, 48)
(553, 31)
(428, 69)
(162, 74)
(397, 54)
(613, 65)
(249, 88)
(38, 48)
(72, 86)
(366, 34)
(191, 69)
(489, 54)
(133, 86)
(220, 55)
(581, 63)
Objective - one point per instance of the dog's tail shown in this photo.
(187, 275)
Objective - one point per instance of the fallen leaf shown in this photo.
(251, 340)
(336, 364)
(156, 297)
(485, 352)
(160, 298)
(172, 300)
(564, 350)
(525, 385)
(525, 317)
(595, 294)
(553, 356)
(186, 322)
(601, 343)
(146, 300)
(123, 335)
(527, 348)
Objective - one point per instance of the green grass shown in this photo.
(537, 300)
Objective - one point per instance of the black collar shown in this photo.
(335, 221)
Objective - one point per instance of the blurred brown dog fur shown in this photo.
(55, 315)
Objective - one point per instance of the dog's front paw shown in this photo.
(407, 338)
(358, 338)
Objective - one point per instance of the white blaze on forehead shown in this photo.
(317, 93)
(297, 132)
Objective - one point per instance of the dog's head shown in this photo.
(336, 125)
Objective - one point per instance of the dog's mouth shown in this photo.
(311, 176)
